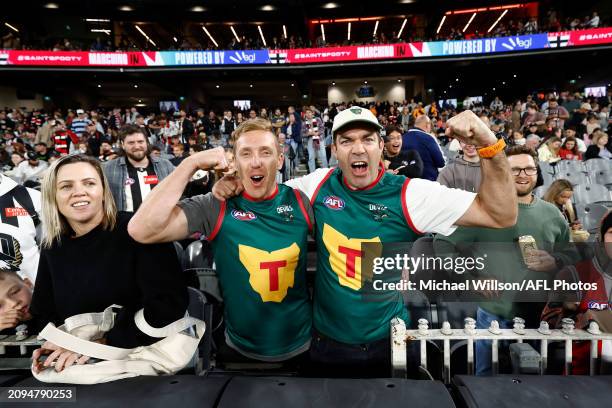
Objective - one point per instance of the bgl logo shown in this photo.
(517, 42)
(334, 203)
(242, 57)
(243, 215)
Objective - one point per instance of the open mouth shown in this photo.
(257, 180)
(359, 168)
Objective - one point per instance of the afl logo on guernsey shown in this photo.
(334, 203)
(243, 215)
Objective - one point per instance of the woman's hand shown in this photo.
(11, 318)
(58, 358)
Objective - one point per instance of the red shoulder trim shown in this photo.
(405, 208)
(298, 196)
(316, 192)
(215, 231)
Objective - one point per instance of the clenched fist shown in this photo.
(468, 128)
(212, 159)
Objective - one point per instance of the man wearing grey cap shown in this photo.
(359, 202)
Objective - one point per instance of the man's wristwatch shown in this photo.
(490, 151)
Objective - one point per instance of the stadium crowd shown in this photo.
(125, 157)
(551, 21)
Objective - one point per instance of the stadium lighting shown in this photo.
(402, 28)
(267, 7)
(262, 36)
(406, 1)
(197, 9)
(97, 20)
(100, 30)
(145, 35)
(99, 86)
(330, 5)
(323, 32)
(292, 84)
(126, 8)
(135, 86)
(175, 39)
(333, 83)
(210, 36)
(217, 86)
(250, 85)
(11, 27)
(348, 34)
(284, 31)
(497, 21)
(234, 32)
(375, 29)
(440, 26)
(469, 22)
(51, 6)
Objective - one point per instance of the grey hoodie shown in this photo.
(462, 174)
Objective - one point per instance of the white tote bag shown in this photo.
(78, 333)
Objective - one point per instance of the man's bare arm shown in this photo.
(159, 219)
(496, 204)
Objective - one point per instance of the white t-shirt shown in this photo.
(432, 207)
(18, 244)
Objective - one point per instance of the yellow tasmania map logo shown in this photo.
(271, 274)
(346, 256)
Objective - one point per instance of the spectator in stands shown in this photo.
(599, 147)
(463, 171)
(106, 150)
(518, 138)
(64, 140)
(420, 139)
(30, 170)
(44, 134)
(293, 134)
(571, 132)
(261, 265)
(569, 149)
(555, 113)
(537, 218)
(533, 118)
(228, 124)
(397, 161)
(94, 138)
(80, 220)
(19, 207)
(496, 104)
(42, 151)
(131, 177)
(15, 299)
(211, 123)
(178, 151)
(312, 134)
(404, 118)
(185, 126)
(560, 194)
(79, 123)
(592, 123)
(549, 152)
(594, 21)
(278, 120)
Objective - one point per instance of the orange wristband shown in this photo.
(490, 151)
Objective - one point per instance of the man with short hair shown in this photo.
(463, 171)
(132, 177)
(79, 123)
(178, 150)
(42, 151)
(30, 169)
(359, 202)
(536, 218)
(259, 241)
(420, 139)
(555, 113)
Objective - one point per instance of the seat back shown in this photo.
(593, 193)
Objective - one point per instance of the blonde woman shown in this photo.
(560, 194)
(89, 262)
(549, 152)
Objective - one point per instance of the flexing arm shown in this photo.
(495, 205)
(159, 219)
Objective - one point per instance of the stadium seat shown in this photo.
(575, 177)
(570, 166)
(547, 168)
(201, 309)
(603, 177)
(593, 193)
(595, 165)
(548, 178)
(590, 215)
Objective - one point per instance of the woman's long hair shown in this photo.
(54, 224)
(555, 189)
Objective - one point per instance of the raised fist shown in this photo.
(468, 128)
